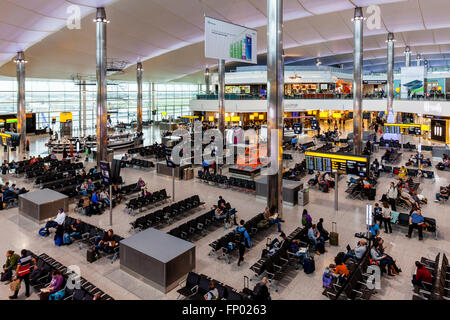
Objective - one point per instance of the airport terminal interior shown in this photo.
(241, 150)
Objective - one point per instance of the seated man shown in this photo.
(358, 252)
(314, 236)
(9, 266)
(272, 218)
(416, 221)
(75, 229)
(84, 188)
(313, 181)
(104, 197)
(442, 195)
(219, 214)
(58, 221)
(140, 183)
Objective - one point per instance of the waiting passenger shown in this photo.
(9, 266)
(272, 218)
(55, 285)
(140, 183)
(261, 292)
(314, 236)
(324, 233)
(416, 221)
(105, 242)
(422, 276)
(58, 221)
(244, 240)
(387, 217)
(340, 268)
(213, 293)
(23, 271)
(358, 252)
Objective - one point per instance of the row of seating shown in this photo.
(296, 173)
(275, 266)
(237, 183)
(355, 286)
(227, 244)
(411, 172)
(428, 291)
(139, 163)
(167, 214)
(148, 151)
(70, 181)
(56, 173)
(198, 226)
(142, 203)
(196, 286)
(41, 277)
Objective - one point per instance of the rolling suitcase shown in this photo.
(90, 255)
(334, 236)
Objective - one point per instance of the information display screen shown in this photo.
(340, 163)
(106, 172)
(315, 124)
(298, 128)
(398, 128)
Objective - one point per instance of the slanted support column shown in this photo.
(21, 112)
(275, 94)
(221, 96)
(358, 21)
(390, 77)
(102, 132)
(407, 56)
(139, 70)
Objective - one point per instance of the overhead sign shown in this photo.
(65, 117)
(333, 162)
(374, 81)
(228, 41)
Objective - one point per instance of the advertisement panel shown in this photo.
(412, 81)
(224, 40)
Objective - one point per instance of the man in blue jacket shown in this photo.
(244, 239)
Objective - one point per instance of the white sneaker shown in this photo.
(435, 200)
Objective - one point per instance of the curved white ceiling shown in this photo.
(167, 35)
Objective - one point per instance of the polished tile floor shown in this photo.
(17, 232)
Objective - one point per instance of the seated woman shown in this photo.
(402, 172)
(105, 242)
(384, 260)
(55, 285)
(340, 268)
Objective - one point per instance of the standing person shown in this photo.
(64, 153)
(387, 217)
(23, 271)
(71, 150)
(392, 195)
(9, 266)
(261, 292)
(416, 220)
(28, 145)
(244, 240)
(378, 214)
(306, 219)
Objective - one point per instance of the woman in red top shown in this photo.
(422, 275)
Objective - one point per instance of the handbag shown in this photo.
(15, 285)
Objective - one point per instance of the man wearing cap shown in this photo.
(59, 220)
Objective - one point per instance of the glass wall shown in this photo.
(47, 98)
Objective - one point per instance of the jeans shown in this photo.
(277, 221)
(84, 192)
(316, 242)
(8, 275)
(106, 201)
(51, 224)
(74, 234)
(241, 252)
(349, 255)
(392, 203)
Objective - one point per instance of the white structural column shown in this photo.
(84, 107)
(418, 58)
(407, 56)
(390, 77)
(139, 70)
(221, 96)
(275, 93)
(358, 21)
(102, 132)
(21, 112)
(207, 80)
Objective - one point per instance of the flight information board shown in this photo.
(340, 163)
(398, 128)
